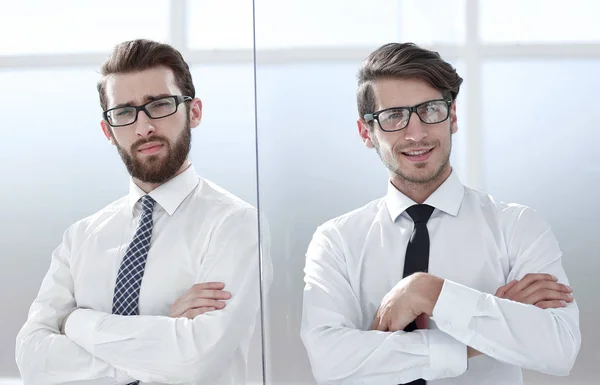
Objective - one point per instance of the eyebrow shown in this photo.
(441, 98)
(147, 98)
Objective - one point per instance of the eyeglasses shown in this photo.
(156, 109)
(397, 118)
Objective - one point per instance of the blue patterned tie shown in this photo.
(131, 272)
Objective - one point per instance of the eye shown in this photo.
(122, 112)
(432, 107)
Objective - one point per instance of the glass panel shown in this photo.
(60, 169)
(74, 26)
(539, 21)
(312, 167)
(316, 23)
(432, 21)
(224, 146)
(540, 149)
(226, 22)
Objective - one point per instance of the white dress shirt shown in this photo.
(201, 233)
(477, 245)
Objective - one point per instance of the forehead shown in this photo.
(403, 92)
(136, 87)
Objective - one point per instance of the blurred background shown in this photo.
(278, 80)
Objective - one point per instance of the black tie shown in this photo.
(417, 253)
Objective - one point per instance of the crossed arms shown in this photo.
(193, 344)
(470, 322)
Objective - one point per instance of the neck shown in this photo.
(147, 187)
(420, 191)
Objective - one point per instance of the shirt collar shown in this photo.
(447, 198)
(170, 194)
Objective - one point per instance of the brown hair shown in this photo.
(142, 54)
(402, 61)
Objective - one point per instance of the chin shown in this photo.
(419, 174)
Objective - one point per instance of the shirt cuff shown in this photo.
(80, 327)
(447, 356)
(455, 308)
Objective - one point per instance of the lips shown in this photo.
(418, 155)
(417, 152)
(149, 145)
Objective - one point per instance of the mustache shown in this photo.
(417, 145)
(141, 142)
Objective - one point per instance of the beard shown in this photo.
(424, 177)
(157, 169)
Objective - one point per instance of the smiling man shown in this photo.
(435, 282)
(162, 285)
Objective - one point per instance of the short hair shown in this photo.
(404, 61)
(142, 54)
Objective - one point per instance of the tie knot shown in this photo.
(420, 213)
(147, 203)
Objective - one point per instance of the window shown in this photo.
(220, 25)
(539, 21)
(432, 21)
(74, 26)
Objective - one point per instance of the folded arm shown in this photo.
(544, 340)
(340, 347)
(175, 350)
(46, 357)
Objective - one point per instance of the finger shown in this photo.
(528, 280)
(375, 320)
(212, 294)
(190, 301)
(503, 289)
(422, 321)
(208, 286)
(193, 313)
(548, 295)
(382, 323)
(375, 323)
(215, 294)
(205, 302)
(544, 288)
(551, 304)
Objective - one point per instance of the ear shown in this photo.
(365, 133)
(453, 118)
(107, 132)
(195, 112)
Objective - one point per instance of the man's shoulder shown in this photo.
(100, 216)
(354, 221)
(219, 200)
(506, 212)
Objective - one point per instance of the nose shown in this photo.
(415, 130)
(144, 126)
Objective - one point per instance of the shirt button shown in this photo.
(449, 325)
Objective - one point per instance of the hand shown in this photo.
(199, 299)
(541, 290)
(412, 297)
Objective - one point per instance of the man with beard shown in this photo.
(435, 281)
(162, 285)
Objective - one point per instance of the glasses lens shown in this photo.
(433, 112)
(161, 107)
(121, 116)
(392, 120)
